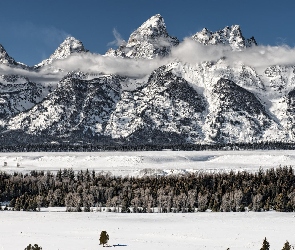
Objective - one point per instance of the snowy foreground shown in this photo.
(133, 163)
(55, 229)
(77, 231)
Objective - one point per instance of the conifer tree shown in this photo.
(287, 246)
(265, 245)
(104, 237)
(31, 247)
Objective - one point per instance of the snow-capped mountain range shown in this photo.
(213, 101)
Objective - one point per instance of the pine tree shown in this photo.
(35, 247)
(265, 245)
(287, 246)
(104, 237)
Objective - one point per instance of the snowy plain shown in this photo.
(56, 229)
(135, 163)
(189, 231)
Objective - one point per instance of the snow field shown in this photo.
(135, 163)
(54, 228)
(212, 231)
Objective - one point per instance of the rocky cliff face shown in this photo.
(75, 106)
(166, 109)
(237, 116)
(18, 94)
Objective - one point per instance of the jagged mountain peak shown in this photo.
(154, 21)
(69, 46)
(153, 27)
(5, 58)
(150, 40)
(230, 35)
(8, 60)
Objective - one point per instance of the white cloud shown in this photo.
(264, 56)
(118, 39)
(188, 51)
(193, 52)
(95, 63)
(38, 77)
(259, 57)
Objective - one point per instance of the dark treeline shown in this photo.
(261, 191)
(125, 146)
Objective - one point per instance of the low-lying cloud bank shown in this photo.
(256, 56)
(189, 51)
(95, 63)
(44, 77)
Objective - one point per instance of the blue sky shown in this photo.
(31, 30)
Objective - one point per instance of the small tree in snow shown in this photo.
(35, 247)
(265, 245)
(287, 246)
(104, 237)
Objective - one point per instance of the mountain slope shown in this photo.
(206, 75)
(75, 106)
(237, 116)
(166, 109)
(179, 103)
(18, 94)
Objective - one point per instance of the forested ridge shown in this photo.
(55, 146)
(272, 189)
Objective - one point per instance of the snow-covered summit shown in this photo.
(69, 46)
(231, 36)
(150, 40)
(153, 28)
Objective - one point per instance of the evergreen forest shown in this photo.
(272, 189)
